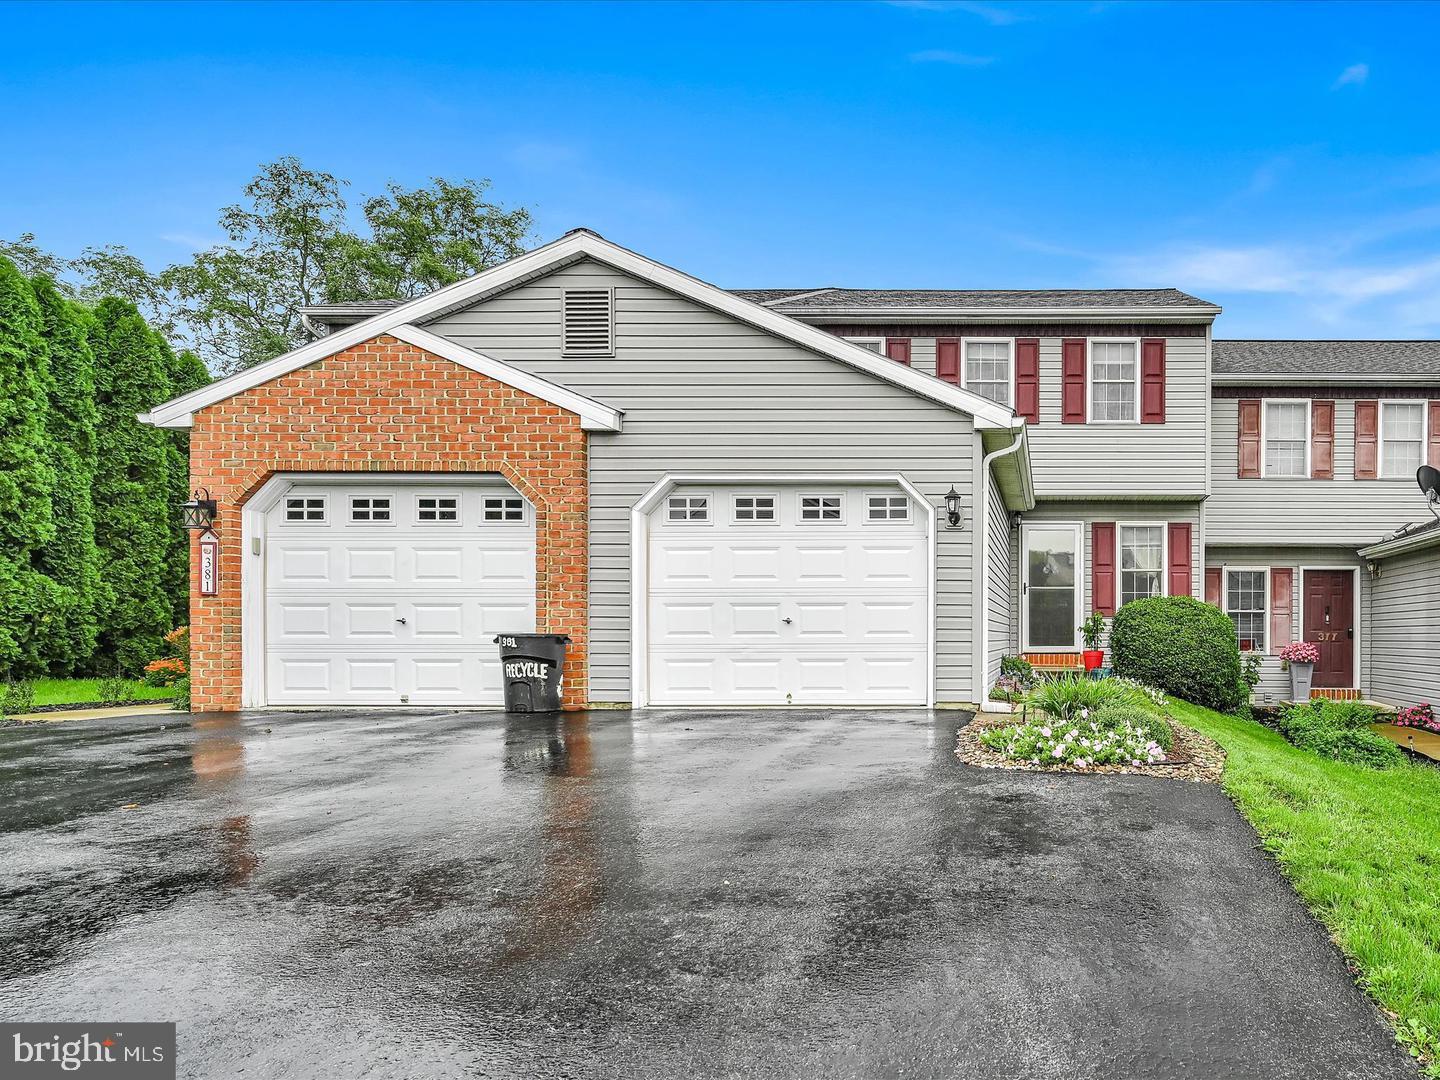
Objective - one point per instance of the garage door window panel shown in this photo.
(370, 510)
(305, 509)
(886, 508)
(756, 509)
(437, 509)
(688, 509)
(822, 508)
(503, 509)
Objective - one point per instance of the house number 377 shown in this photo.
(1328, 635)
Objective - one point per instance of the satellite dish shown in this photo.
(1428, 478)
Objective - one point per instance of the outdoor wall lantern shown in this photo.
(952, 507)
(199, 512)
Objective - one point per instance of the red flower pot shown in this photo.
(1093, 658)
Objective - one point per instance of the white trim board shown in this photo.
(640, 518)
(575, 245)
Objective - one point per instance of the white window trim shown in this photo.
(866, 519)
(1265, 404)
(1164, 527)
(323, 519)
(863, 341)
(1357, 612)
(801, 496)
(965, 343)
(459, 509)
(774, 496)
(709, 519)
(1090, 344)
(350, 518)
(1386, 405)
(1079, 529)
(1225, 571)
(524, 518)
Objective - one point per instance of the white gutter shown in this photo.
(1401, 544)
(982, 530)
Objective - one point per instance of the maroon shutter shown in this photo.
(1282, 587)
(1249, 450)
(1152, 381)
(1433, 457)
(1367, 440)
(1179, 537)
(947, 359)
(1102, 567)
(1027, 379)
(1322, 439)
(1072, 374)
(1213, 578)
(898, 349)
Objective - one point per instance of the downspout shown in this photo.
(983, 528)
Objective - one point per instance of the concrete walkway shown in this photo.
(685, 894)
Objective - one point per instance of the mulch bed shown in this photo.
(1194, 757)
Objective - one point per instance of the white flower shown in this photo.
(1045, 731)
(1059, 751)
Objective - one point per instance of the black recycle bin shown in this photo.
(530, 665)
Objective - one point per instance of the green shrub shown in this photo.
(181, 701)
(1117, 715)
(1339, 730)
(112, 689)
(1182, 646)
(1019, 669)
(18, 697)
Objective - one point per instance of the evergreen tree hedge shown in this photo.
(28, 599)
(71, 560)
(135, 521)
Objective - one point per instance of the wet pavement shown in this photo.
(669, 894)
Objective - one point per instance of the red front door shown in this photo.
(1330, 623)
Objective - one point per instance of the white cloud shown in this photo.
(946, 56)
(541, 155)
(995, 16)
(1354, 75)
(1397, 293)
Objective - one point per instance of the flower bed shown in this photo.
(1420, 716)
(1092, 725)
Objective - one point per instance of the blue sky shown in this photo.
(1280, 159)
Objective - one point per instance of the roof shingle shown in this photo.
(1232, 357)
(820, 300)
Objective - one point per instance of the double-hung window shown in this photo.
(1402, 437)
(1287, 438)
(988, 369)
(1142, 561)
(874, 344)
(1245, 592)
(1115, 382)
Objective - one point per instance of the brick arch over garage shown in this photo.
(384, 406)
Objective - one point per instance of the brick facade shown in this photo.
(386, 406)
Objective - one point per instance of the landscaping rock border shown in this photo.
(1194, 757)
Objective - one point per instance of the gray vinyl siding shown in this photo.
(1274, 682)
(1087, 513)
(1274, 511)
(1405, 629)
(703, 393)
(1117, 460)
(998, 561)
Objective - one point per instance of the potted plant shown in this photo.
(1301, 657)
(1092, 629)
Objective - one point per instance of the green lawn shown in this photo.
(83, 691)
(1362, 848)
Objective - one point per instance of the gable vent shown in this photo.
(588, 322)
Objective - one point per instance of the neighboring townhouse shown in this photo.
(1315, 445)
(760, 497)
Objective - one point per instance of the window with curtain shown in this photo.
(1114, 374)
(1287, 430)
(1142, 565)
(1402, 437)
(987, 369)
(1245, 604)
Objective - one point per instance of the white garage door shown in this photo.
(816, 596)
(392, 594)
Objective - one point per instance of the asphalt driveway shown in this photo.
(673, 895)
